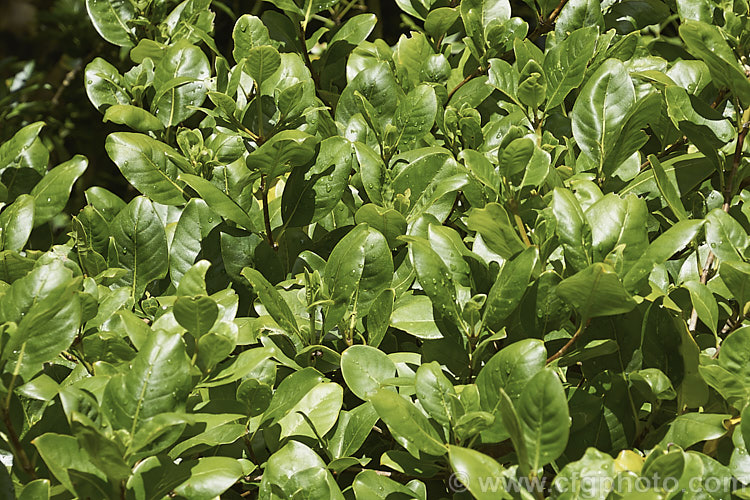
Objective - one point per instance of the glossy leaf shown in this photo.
(145, 163)
(142, 245)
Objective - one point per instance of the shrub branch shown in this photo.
(728, 193)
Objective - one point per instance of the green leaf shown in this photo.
(704, 303)
(142, 245)
(407, 423)
(112, 18)
(158, 382)
(16, 223)
(685, 172)
(601, 108)
(734, 350)
(134, 117)
(439, 20)
(195, 223)
(351, 430)
(282, 153)
(311, 195)
(587, 478)
(493, 223)
(689, 429)
(532, 86)
(320, 407)
(415, 114)
(359, 268)
(662, 248)
(295, 468)
(365, 368)
(615, 221)
(543, 411)
(145, 164)
(375, 83)
(379, 316)
(413, 314)
(249, 31)
(437, 395)
(272, 300)
(572, 228)
(435, 278)
(196, 314)
(516, 156)
(667, 190)
(179, 81)
(35, 490)
(210, 477)
(62, 453)
(369, 485)
(52, 193)
(703, 125)
(47, 311)
(477, 15)
(512, 423)
(706, 42)
(386, 220)
(565, 64)
(726, 237)
(736, 276)
(476, 471)
(507, 291)
(223, 205)
(261, 62)
(194, 282)
(596, 291)
(104, 85)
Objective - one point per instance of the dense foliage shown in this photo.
(504, 257)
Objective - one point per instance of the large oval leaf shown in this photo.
(179, 80)
(142, 244)
(144, 163)
(601, 109)
(158, 382)
(111, 19)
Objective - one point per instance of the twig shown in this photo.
(683, 140)
(15, 443)
(553, 15)
(566, 347)
(545, 25)
(693, 323)
(728, 193)
(513, 205)
(266, 212)
(729, 187)
(463, 82)
(315, 76)
(672, 147)
(18, 450)
(70, 75)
